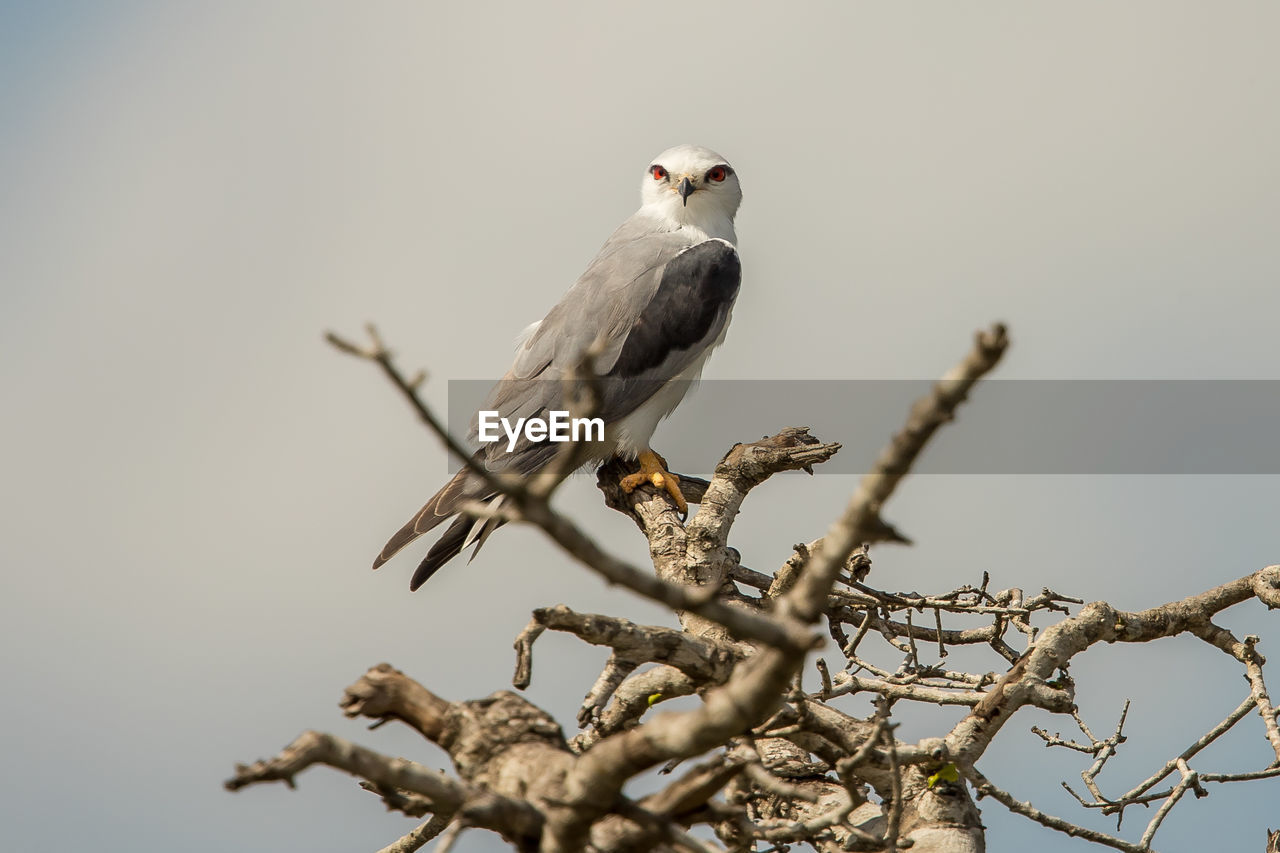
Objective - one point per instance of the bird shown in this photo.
(651, 306)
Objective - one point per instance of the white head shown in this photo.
(689, 185)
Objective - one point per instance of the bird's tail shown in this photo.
(461, 534)
(445, 504)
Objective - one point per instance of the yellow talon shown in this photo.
(653, 471)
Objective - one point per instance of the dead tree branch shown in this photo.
(774, 762)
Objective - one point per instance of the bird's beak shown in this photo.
(685, 188)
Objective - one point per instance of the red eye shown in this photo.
(658, 172)
(717, 174)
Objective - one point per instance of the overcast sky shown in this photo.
(190, 194)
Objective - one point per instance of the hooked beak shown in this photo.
(685, 188)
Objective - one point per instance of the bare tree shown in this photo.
(760, 760)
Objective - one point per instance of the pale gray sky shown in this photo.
(195, 485)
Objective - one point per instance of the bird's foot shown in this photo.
(653, 471)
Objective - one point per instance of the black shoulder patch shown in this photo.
(697, 288)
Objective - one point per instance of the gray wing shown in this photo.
(654, 299)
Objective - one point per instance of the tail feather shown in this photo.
(483, 527)
(490, 525)
(448, 547)
(443, 505)
(462, 534)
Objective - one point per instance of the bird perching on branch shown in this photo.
(651, 306)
